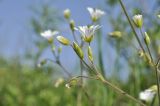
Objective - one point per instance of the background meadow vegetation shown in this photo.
(22, 83)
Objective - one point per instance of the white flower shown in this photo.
(48, 34)
(138, 20)
(67, 13)
(58, 82)
(87, 31)
(147, 95)
(95, 13)
(68, 86)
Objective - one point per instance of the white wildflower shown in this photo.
(148, 94)
(67, 85)
(87, 31)
(67, 13)
(48, 34)
(138, 20)
(95, 13)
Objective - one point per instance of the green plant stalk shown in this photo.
(134, 31)
(115, 88)
(59, 63)
(156, 71)
(139, 43)
(120, 91)
(81, 69)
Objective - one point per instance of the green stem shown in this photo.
(115, 88)
(156, 71)
(133, 29)
(59, 63)
(136, 35)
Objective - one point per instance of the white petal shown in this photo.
(48, 34)
(147, 95)
(91, 10)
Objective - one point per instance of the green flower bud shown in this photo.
(72, 24)
(154, 88)
(67, 13)
(63, 40)
(147, 39)
(116, 34)
(138, 20)
(59, 82)
(90, 55)
(78, 50)
(72, 82)
(43, 62)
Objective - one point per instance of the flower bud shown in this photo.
(72, 82)
(67, 13)
(42, 63)
(63, 40)
(116, 34)
(154, 88)
(158, 16)
(147, 39)
(78, 50)
(59, 82)
(72, 24)
(90, 55)
(138, 20)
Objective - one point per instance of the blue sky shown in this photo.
(15, 17)
(15, 29)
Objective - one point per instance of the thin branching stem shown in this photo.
(120, 91)
(59, 63)
(116, 89)
(130, 22)
(156, 71)
(136, 35)
(149, 51)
